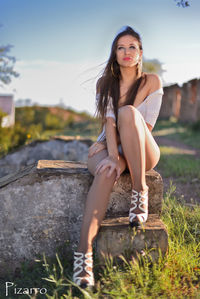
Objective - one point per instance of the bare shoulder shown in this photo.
(154, 82)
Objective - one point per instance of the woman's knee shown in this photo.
(90, 167)
(126, 110)
(128, 114)
(93, 161)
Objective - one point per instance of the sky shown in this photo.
(62, 46)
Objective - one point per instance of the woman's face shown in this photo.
(128, 52)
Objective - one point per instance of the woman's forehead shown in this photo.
(127, 39)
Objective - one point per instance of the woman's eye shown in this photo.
(122, 48)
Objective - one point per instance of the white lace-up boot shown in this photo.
(83, 262)
(138, 200)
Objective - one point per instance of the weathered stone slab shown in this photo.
(41, 208)
(117, 238)
(121, 195)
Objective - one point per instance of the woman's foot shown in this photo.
(83, 269)
(138, 212)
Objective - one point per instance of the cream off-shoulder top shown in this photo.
(149, 109)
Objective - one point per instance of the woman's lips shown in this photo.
(127, 58)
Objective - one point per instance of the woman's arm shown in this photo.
(112, 161)
(111, 138)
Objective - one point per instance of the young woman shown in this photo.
(128, 102)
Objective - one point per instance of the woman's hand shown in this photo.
(109, 162)
(96, 147)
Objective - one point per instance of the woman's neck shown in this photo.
(128, 76)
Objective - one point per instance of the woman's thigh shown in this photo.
(95, 159)
(152, 150)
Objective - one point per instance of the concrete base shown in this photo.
(117, 238)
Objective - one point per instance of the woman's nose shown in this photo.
(126, 50)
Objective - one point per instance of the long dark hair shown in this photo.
(108, 84)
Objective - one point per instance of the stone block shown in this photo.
(117, 238)
(120, 197)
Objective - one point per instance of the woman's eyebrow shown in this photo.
(131, 44)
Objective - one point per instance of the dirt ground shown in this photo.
(185, 191)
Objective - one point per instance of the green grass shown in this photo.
(178, 131)
(175, 164)
(176, 275)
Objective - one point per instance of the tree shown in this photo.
(153, 66)
(6, 65)
(182, 3)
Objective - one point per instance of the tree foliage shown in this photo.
(6, 65)
(182, 3)
(30, 124)
(153, 66)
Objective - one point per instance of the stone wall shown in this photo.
(182, 102)
(171, 102)
(189, 101)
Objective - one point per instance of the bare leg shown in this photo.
(96, 203)
(141, 153)
(132, 136)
